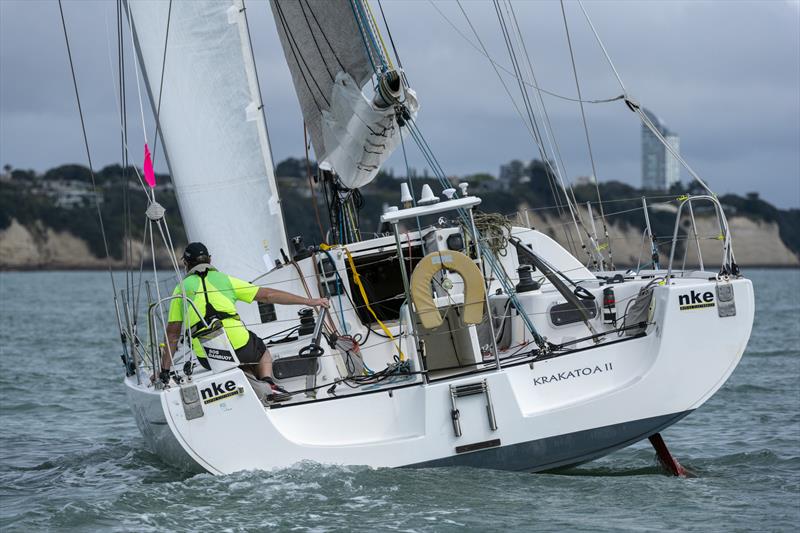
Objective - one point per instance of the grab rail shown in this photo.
(728, 265)
(151, 329)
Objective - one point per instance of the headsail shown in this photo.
(333, 50)
(212, 128)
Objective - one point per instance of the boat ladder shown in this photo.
(470, 389)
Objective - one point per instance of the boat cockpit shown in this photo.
(431, 302)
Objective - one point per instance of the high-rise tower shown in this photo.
(660, 169)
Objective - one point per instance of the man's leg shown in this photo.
(265, 365)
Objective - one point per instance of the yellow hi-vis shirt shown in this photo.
(223, 293)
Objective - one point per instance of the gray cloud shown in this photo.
(724, 75)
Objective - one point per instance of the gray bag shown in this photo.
(639, 312)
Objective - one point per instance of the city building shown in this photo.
(660, 169)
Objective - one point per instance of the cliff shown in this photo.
(49, 221)
(756, 244)
(42, 248)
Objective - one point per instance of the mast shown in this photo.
(213, 130)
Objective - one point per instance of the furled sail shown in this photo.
(212, 127)
(332, 49)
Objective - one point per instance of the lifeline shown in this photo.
(588, 371)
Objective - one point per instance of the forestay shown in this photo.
(331, 47)
(213, 129)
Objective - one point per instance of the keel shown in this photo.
(666, 459)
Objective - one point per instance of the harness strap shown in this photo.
(210, 312)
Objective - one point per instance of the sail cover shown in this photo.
(212, 127)
(331, 47)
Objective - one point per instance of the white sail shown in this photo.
(331, 47)
(212, 128)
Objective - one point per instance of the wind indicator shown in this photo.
(149, 175)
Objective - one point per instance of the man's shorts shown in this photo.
(251, 352)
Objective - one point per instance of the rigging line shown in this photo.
(127, 232)
(391, 40)
(117, 98)
(295, 49)
(408, 177)
(637, 108)
(517, 72)
(161, 85)
(586, 131)
(484, 53)
(539, 140)
(123, 130)
(126, 226)
(374, 25)
(89, 158)
(548, 129)
(316, 44)
(167, 239)
(605, 52)
(361, 30)
(486, 255)
(526, 99)
(138, 296)
(158, 295)
(136, 71)
(528, 126)
(371, 31)
(495, 67)
(322, 31)
(647, 122)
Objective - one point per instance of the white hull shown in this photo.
(555, 412)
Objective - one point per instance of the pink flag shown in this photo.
(149, 175)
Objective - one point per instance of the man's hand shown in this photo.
(319, 302)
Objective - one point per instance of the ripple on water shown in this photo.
(72, 457)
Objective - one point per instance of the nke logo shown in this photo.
(218, 392)
(696, 300)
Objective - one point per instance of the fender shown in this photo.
(474, 291)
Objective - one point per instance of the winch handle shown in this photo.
(318, 328)
(315, 349)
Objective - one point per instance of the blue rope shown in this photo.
(364, 30)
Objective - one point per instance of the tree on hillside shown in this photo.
(292, 167)
(69, 173)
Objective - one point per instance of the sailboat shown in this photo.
(453, 339)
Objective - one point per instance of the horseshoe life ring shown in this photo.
(474, 291)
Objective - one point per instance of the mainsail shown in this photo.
(333, 49)
(212, 127)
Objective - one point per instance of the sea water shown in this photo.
(71, 457)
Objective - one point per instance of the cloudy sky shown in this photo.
(725, 75)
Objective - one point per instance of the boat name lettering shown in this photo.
(578, 372)
(218, 392)
(695, 300)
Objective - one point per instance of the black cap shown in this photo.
(194, 251)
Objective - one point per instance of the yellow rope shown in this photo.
(357, 281)
(378, 33)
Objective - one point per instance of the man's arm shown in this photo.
(275, 296)
(173, 334)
